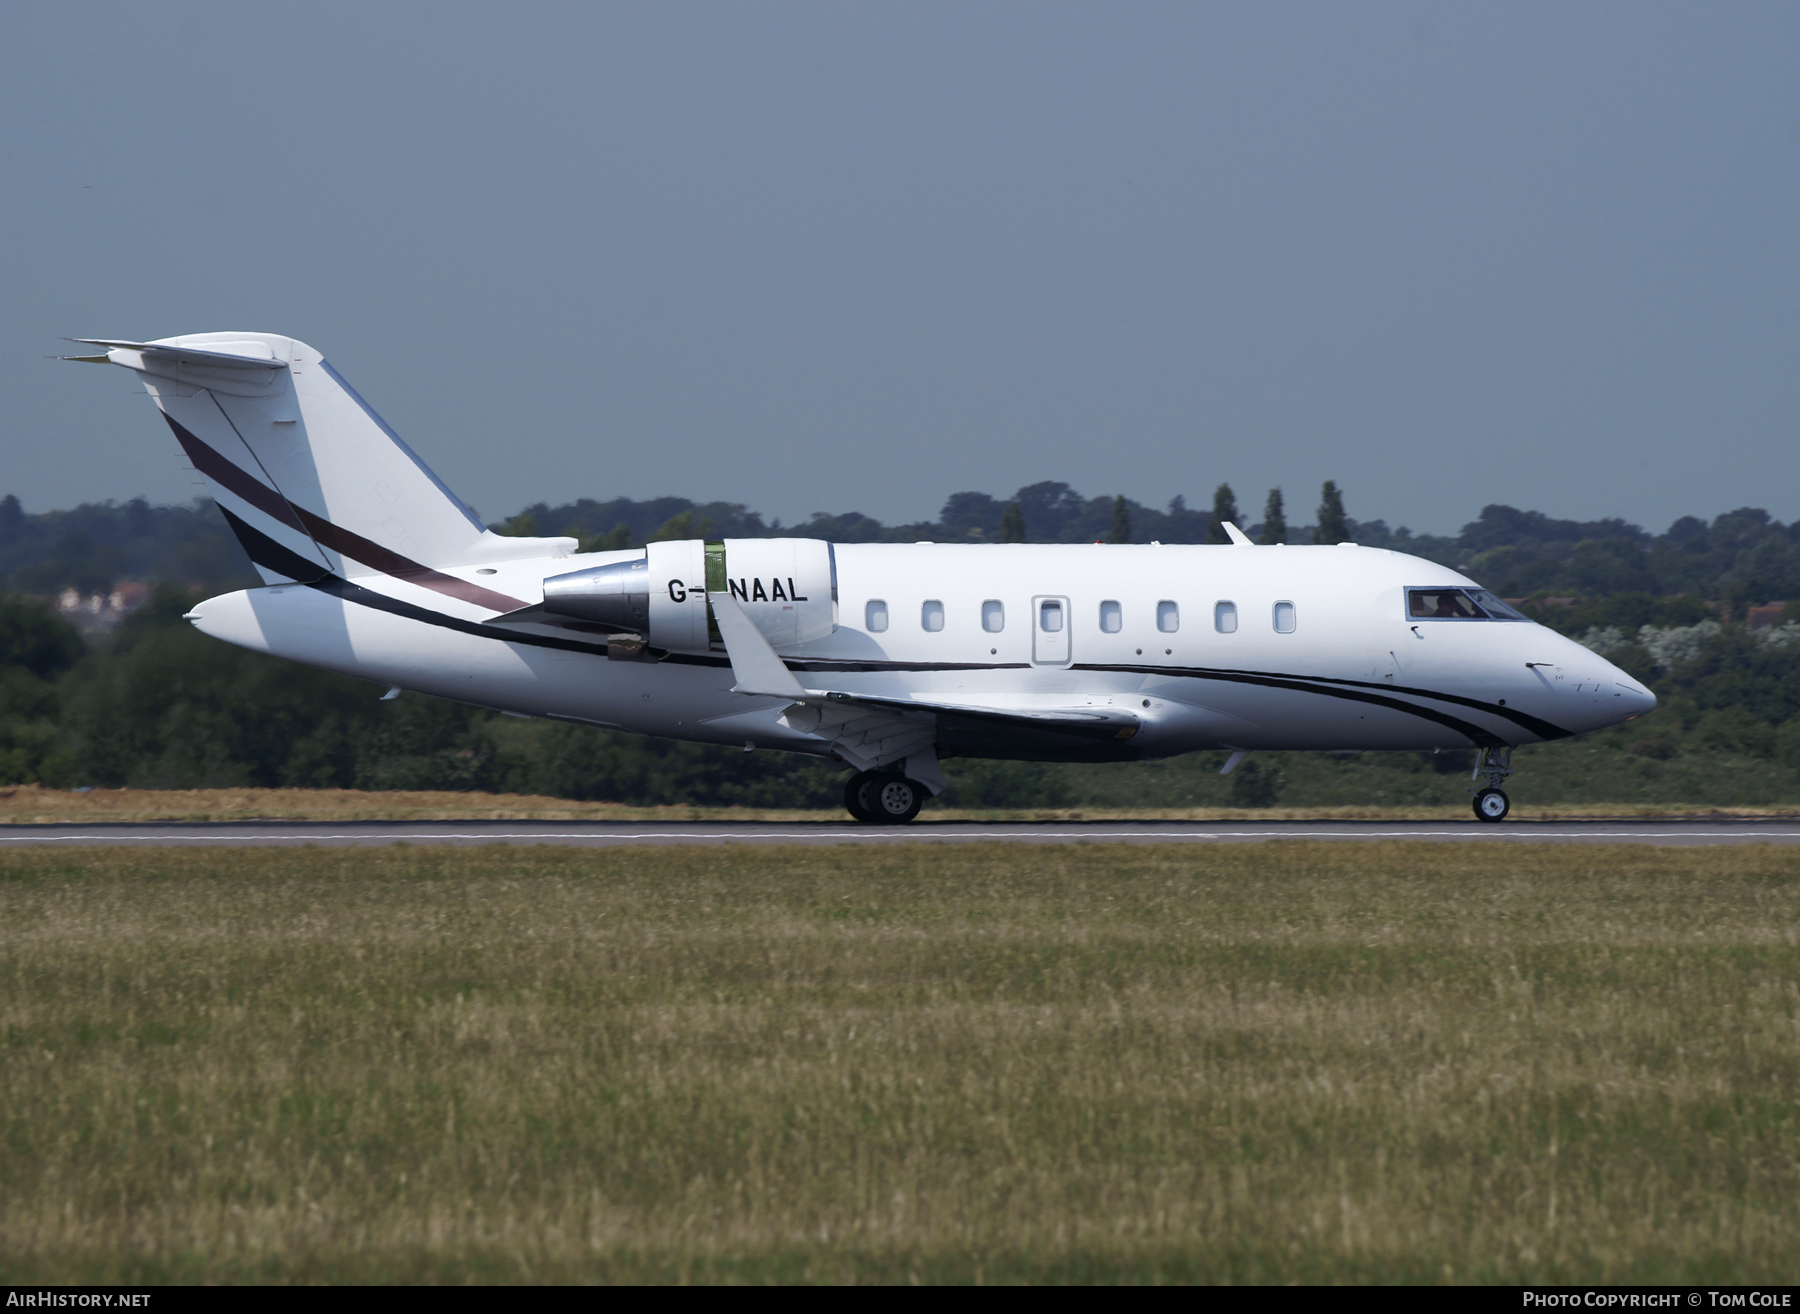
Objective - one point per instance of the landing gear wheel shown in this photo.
(1492, 805)
(895, 800)
(859, 798)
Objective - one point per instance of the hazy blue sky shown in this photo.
(837, 256)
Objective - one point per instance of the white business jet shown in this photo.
(886, 658)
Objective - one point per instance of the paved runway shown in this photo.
(605, 833)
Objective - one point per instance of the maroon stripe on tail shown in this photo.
(222, 472)
(392, 563)
(265, 499)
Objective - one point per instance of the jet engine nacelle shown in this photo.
(787, 587)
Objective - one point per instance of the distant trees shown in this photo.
(96, 544)
(1274, 526)
(1254, 785)
(1332, 527)
(679, 526)
(159, 705)
(616, 539)
(1740, 559)
(156, 704)
(1119, 531)
(35, 639)
(1012, 524)
(969, 517)
(1224, 509)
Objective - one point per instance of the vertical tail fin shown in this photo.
(293, 453)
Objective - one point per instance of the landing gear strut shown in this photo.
(1490, 802)
(883, 798)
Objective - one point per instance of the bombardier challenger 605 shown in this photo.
(886, 658)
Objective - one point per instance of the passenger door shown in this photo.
(1050, 619)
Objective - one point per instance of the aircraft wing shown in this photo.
(869, 731)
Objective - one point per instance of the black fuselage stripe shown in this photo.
(1525, 720)
(265, 551)
(1336, 687)
(1474, 733)
(856, 667)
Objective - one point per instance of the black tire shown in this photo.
(895, 800)
(1492, 805)
(856, 796)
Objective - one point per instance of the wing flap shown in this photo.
(1081, 722)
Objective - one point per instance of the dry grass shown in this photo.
(1371, 1062)
(33, 804)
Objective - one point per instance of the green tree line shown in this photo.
(155, 704)
(1739, 559)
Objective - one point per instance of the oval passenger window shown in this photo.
(931, 616)
(1225, 617)
(875, 616)
(1284, 618)
(1112, 618)
(993, 616)
(1168, 617)
(1050, 618)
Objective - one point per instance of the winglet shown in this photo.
(1238, 537)
(753, 662)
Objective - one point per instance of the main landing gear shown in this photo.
(1490, 802)
(883, 798)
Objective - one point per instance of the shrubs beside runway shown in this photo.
(1374, 1062)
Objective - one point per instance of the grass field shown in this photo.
(1370, 1062)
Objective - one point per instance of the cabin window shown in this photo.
(1112, 618)
(1225, 617)
(1050, 617)
(931, 616)
(1168, 617)
(875, 616)
(993, 616)
(1284, 618)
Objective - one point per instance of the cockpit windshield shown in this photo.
(1457, 604)
(1496, 608)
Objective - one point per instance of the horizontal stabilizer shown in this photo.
(242, 355)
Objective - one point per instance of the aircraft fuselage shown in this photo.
(1184, 637)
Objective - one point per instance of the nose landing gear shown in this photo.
(1490, 802)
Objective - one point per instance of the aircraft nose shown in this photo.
(1636, 699)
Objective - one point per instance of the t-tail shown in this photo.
(310, 478)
